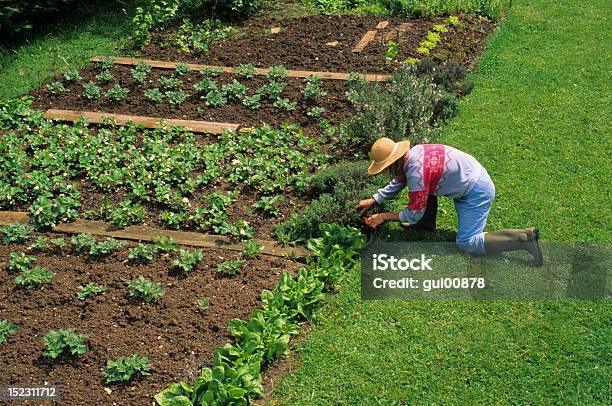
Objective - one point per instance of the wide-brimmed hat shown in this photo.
(384, 152)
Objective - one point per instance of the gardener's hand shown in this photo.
(376, 220)
(365, 205)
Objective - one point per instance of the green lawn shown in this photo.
(539, 120)
(68, 43)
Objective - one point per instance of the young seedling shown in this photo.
(285, 104)
(143, 253)
(58, 341)
(6, 328)
(211, 72)
(205, 86)
(145, 290)
(83, 242)
(105, 76)
(39, 244)
(251, 249)
(315, 112)
(165, 244)
(277, 72)
(271, 90)
(187, 261)
(391, 52)
(143, 67)
(106, 63)
(355, 79)
(440, 28)
(34, 277)
(91, 91)
(240, 230)
(56, 88)
(215, 99)
(127, 213)
(15, 233)
(182, 68)
(139, 76)
(234, 90)
(246, 71)
(89, 290)
(117, 93)
(203, 304)
(252, 102)
(268, 205)
(155, 95)
(72, 75)
(58, 243)
(105, 248)
(169, 82)
(312, 90)
(19, 261)
(124, 369)
(231, 267)
(176, 98)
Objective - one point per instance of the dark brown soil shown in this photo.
(174, 334)
(335, 104)
(302, 43)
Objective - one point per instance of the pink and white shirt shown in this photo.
(432, 169)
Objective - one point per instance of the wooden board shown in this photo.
(275, 30)
(365, 40)
(332, 43)
(148, 122)
(382, 25)
(140, 233)
(259, 71)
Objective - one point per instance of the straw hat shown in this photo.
(384, 152)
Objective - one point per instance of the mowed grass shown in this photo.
(539, 120)
(69, 42)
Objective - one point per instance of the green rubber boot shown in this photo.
(525, 239)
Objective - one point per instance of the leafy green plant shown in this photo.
(165, 244)
(16, 233)
(117, 93)
(143, 253)
(106, 63)
(312, 90)
(139, 76)
(240, 230)
(182, 68)
(170, 82)
(127, 213)
(230, 267)
(58, 243)
(176, 98)
(89, 290)
(91, 91)
(187, 261)
(315, 112)
(39, 244)
(105, 76)
(452, 20)
(251, 249)
(105, 248)
(48, 210)
(72, 75)
(34, 277)
(58, 341)
(19, 261)
(144, 289)
(196, 39)
(83, 242)
(211, 72)
(154, 94)
(234, 90)
(276, 73)
(253, 102)
(391, 52)
(272, 90)
(285, 104)
(246, 71)
(124, 369)
(423, 51)
(6, 328)
(56, 88)
(268, 205)
(143, 67)
(215, 99)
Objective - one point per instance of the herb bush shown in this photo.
(335, 191)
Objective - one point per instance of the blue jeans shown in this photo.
(472, 212)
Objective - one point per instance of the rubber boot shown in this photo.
(515, 240)
(428, 221)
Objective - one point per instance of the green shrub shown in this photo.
(124, 369)
(64, 340)
(335, 191)
(6, 328)
(401, 109)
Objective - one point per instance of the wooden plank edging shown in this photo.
(141, 233)
(370, 77)
(365, 40)
(382, 25)
(196, 126)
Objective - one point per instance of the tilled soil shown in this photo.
(301, 44)
(176, 336)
